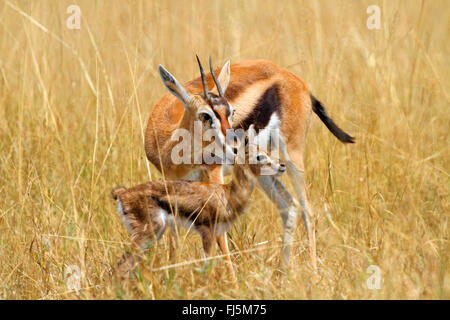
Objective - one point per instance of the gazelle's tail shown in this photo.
(319, 109)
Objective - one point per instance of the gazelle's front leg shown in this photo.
(223, 245)
(287, 206)
(297, 179)
(216, 174)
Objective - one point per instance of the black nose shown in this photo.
(282, 167)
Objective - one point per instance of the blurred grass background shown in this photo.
(74, 104)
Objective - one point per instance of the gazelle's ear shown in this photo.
(174, 86)
(224, 78)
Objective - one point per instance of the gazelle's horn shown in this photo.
(219, 89)
(205, 85)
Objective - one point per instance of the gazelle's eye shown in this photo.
(204, 117)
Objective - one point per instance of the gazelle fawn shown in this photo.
(263, 94)
(208, 209)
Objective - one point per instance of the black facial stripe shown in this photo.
(214, 100)
(269, 103)
(216, 114)
(220, 106)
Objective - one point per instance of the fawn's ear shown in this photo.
(246, 140)
(250, 135)
(174, 86)
(224, 78)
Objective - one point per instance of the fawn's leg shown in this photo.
(146, 223)
(173, 240)
(223, 245)
(207, 241)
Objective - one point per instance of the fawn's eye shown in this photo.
(260, 158)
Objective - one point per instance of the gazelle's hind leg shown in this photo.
(287, 206)
(297, 179)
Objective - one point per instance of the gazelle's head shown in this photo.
(210, 107)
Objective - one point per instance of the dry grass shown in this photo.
(73, 105)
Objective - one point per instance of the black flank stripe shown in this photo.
(216, 114)
(269, 103)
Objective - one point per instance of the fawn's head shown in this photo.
(267, 165)
(260, 161)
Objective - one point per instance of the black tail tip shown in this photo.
(345, 138)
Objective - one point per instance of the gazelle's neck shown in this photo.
(241, 187)
(186, 122)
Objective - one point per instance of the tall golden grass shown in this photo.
(74, 105)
